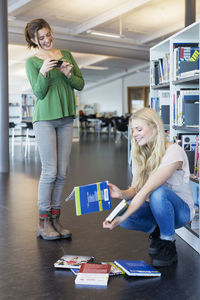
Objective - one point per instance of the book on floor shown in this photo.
(72, 261)
(91, 198)
(114, 270)
(74, 271)
(118, 210)
(93, 274)
(137, 268)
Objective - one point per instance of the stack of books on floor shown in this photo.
(88, 272)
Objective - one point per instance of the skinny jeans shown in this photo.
(165, 209)
(54, 139)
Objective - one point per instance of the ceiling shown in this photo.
(138, 24)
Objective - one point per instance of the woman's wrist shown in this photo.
(121, 219)
(69, 75)
(123, 195)
(43, 73)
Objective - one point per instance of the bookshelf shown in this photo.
(15, 108)
(166, 77)
(21, 107)
(27, 106)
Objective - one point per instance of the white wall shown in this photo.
(112, 96)
(137, 79)
(107, 96)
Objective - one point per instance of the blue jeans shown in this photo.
(165, 208)
(54, 139)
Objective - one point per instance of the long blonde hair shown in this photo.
(147, 158)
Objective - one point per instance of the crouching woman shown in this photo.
(160, 197)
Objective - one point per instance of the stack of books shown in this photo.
(91, 273)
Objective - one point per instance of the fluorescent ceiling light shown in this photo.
(94, 67)
(99, 33)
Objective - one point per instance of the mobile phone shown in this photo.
(59, 63)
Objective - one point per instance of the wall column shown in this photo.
(4, 121)
(190, 12)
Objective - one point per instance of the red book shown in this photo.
(93, 274)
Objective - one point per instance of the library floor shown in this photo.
(26, 262)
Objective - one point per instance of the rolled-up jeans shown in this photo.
(165, 208)
(54, 140)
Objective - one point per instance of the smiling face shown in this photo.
(44, 39)
(142, 132)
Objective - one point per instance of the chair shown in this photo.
(12, 127)
(90, 122)
(107, 123)
(121, 126)
(29, 135)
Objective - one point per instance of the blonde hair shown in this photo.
(147, 158)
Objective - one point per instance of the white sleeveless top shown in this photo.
(179, 182)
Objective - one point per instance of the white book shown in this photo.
(93, 274)
(175, 63)
(189, 73)
(118, 210)
(92, 279)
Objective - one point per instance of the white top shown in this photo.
(179, 182)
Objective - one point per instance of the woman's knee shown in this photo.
(61, 176)
(48, 175)
(157, 195)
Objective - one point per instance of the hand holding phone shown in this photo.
(59, 63)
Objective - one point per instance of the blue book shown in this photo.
(191, 97)
(74, 271)
(188, 59)
(91, 198)
(137, 268)
(188, 53)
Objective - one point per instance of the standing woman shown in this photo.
(53, 116)
(160, 195)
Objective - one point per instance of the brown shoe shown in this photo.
(64, 233)
(46, 230)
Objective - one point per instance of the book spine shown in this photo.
(123, 268)
(99, 197)
(78, 202)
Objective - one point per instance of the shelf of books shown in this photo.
(174, 94)
(28, 102)
(15, 108)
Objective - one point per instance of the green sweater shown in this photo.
(55, 93)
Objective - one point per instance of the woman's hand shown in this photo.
(115, 192)
(110, 225)
(66, 68)
(48, 65)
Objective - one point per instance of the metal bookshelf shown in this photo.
(190, 34)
